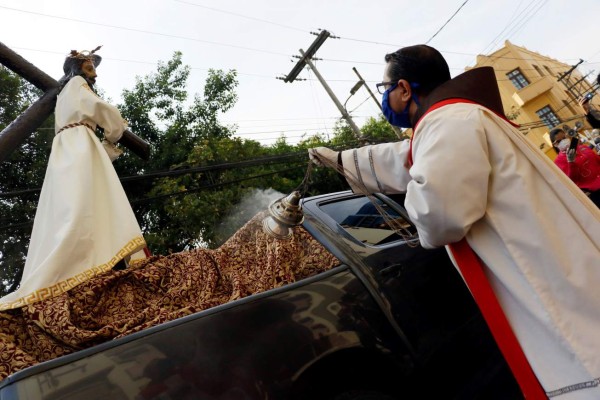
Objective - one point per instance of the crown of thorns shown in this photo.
(75, 58)
(84, 54)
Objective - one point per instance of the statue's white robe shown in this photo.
(475, 176)
(84, 223)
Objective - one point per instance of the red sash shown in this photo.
(472, 271)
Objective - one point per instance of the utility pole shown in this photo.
(345, 114)
(569, 71)
(570, 88)
(304, 60)
(396, 129)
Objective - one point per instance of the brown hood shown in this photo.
(478, 85)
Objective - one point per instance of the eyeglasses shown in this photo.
(383, 86)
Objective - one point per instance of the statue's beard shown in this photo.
(90, 81)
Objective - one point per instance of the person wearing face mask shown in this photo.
(582, 164)
(476, 185)
(84, 224)
(591, 115)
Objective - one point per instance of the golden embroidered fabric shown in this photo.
(155, 290)
(66, 285)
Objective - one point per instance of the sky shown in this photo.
(259, 39)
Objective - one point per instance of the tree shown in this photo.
(185, 207)
(156, 110)
(373, 131)
(24, 169)
(379, 130)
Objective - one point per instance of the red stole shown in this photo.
(471, 269)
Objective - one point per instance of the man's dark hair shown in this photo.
(553, 134)
(420, 64)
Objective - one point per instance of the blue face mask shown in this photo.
(401, 119)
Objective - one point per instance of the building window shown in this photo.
(539, 71)
(548, 117)
(517, 78)
(548, 70)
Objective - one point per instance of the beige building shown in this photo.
(538, 92)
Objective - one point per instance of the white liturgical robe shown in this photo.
(84, 223)
(475, 176)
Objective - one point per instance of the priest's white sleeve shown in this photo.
(378, 168)
(450, 176)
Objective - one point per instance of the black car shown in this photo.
(393, 321)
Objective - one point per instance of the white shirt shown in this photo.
(476, 176)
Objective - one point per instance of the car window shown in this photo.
(361, 219)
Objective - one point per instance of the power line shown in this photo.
(262, 161)
(194, 190)
(292, 119)
(284, 137)
(512, 21)
(452, 68)
(306, 30)
(185, 171)
(308, 79)
(370, 42)
(273, 119)
(278, 131)
(152, 63)
(244, 16)
(145, 31)
(247, 127)
(172, 194)
(361, 103)
(524, 21)
(446, 23)
(219, 43)
(207, 187)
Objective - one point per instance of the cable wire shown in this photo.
(244, 16)
(207, 187)
(446, 23)
(167, 195)
(144, 31)
(361, 103)
(279, 159)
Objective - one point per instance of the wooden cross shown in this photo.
(17, 131)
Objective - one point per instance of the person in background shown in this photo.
(84, 224)
(581, 164)
(517, 228)
(592, 115)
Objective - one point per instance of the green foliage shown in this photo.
(25, 168)
(179, 210)
(157, 110)
(379, 130)
(514, 113)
